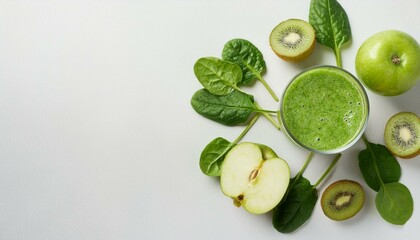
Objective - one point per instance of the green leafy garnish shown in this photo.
(394, 203)
(297, 208)
(331, 25)
(250, 59)
(212, 157)
(378, 165)
(382, 172)
(231, 109)
(218, 76)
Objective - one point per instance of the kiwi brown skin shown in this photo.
(390, 126)
(333, 205)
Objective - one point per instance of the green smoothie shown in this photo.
(324, 109)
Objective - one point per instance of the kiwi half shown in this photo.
(402, 135)
(342, 199)
(293, 40)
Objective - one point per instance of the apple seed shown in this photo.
(254, 174)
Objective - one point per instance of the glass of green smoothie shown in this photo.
(324, 109)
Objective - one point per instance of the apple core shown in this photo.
(324, 109)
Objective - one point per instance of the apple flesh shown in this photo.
(388, 62)
(254, 177)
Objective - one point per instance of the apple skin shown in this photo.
(376, 68)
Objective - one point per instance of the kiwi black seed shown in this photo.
(293, 40)
(342, 199)
(402, 135)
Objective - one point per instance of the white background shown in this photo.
(98, 139)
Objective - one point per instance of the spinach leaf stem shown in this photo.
(329, 169)
(305, 165)
(268, 116)
(247, 128)
(267, 87)
(338, 59)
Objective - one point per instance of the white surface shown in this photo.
(98, 139)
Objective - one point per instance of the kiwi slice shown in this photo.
(293, 40)
(402, 135)
(342, 199)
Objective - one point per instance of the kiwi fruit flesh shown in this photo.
(342, 199)
(402, 135)
(293, 40)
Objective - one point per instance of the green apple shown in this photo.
(388, 62)
(254, 177)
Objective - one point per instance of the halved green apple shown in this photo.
(254, 177)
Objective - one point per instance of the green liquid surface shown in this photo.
(324, 109)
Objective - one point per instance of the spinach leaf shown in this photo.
(214, 153)
(217, 76)
(331, 25)
(382, 172)
(249, 58)
(231, 109)
(212, 156)
(378, 165)
(297, 207)
(394, 203)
